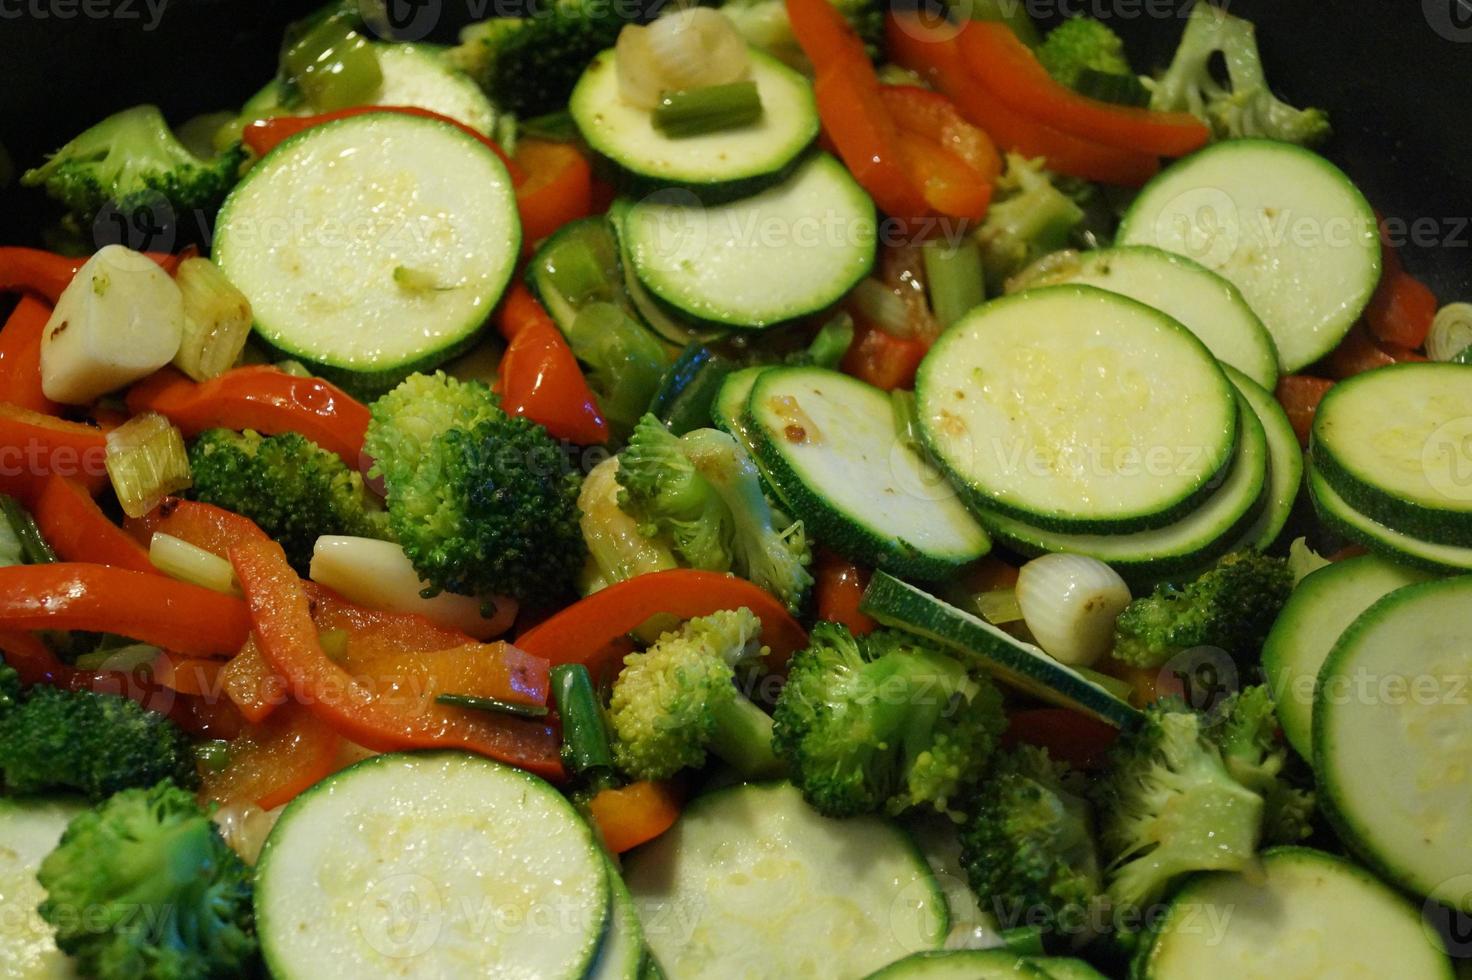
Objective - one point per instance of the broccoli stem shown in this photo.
(585, 747)
(954, 277)
(742, 736)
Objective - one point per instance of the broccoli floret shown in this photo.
(704, 492)
(529, 65)
(764, 25)
(1245, 728)
(144, 887)
(1168, 806)
(1030, 218)
(884, 722)
(678, 699)
(294, 489)
(1245, 106)
(1028, 840)
(617, 547)
(481, 501)
(1082, 43)
(133, 160)
(1231, 606)
(94, 743)
(9, 687)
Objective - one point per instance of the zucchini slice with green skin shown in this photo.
(413, 75)
(575, 265)
(1282, 224)
(319, 236)
(814, 897)
(792, 249)
(30, 830)
(1065, 968)
(1397, 546)
(1305, 915)
(1077, 410)
(1317, 613)
(1393, 443)
(621, 957)
(498, 873)
(1285, 463)
(667, 323)
(1020, 665)
(962, 964)
(1204, 303)
(1196, 540)
(828, 444)
(1393, 738)
(717, 166)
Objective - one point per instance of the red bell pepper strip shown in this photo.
(31, 659)
(557, 188)
(882, 359)
(866, 138)
(1300, 394)
(839, 589)
(932, 115)
(252, 684)
(364, 709)
(938, 58)
(258, 397)
(272, 762)
(1401, 310)
(148, 608)
(1068, 736)
(205, 526)
(539, 377)
(948, 184)
(20, 357)
(34, 447)
(824, 36)
(79, 531)
(582, 632)
(1010, 71)
(634, 814)
(46, 274)
(264, 135)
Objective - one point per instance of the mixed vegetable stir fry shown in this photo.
(780, 488)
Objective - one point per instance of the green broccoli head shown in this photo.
(1079, 44)
(1030, 218)
(1245, 729)
(678, 699)
(703, 492)
(1028, 841)
(294, 489)
(1168, 806)
(1245, 106)
(482, 502)
(94, 743)
(132, 160)
(764, 25)
(886, 722)
(1231, 605)
(143, 886)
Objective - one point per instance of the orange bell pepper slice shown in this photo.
(363, 709)
(200, 676)
(258, 397)
(934, 116)
(557, 188)
(252, 684)
(35, 447)
(634, 814)
(274, 761)
(79, 531)
(20, 357)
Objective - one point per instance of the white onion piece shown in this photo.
(638, 75)
(1070, 602)
(1451, 332)
(697, 47)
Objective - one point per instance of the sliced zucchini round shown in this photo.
(1189, 544)
(372, 247)
(414, 75)
(962, 964)
(1285, 463)
(30, 830)
(1397, 546)
(1204, 303)
(828, 444)
(1282, 224)
(753, 882)
(790, 250)
(621, 957)
(1394, 444)
(722, 165)
(434, 865)
(1077, 410)
(1320, 609)
(670, 324)
(1304, 915)
(1393, 738)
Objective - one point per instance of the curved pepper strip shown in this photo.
(20, 357)
(205, 526)
(274, 761)
(539, 376)
(365, 710)
(258, 397)
(178, 616)
(78, 530)
(46, 274)
(585, 631)
(556, 188)
(34, 447)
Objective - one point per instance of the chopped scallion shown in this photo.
(711, 109)
(146, 462)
